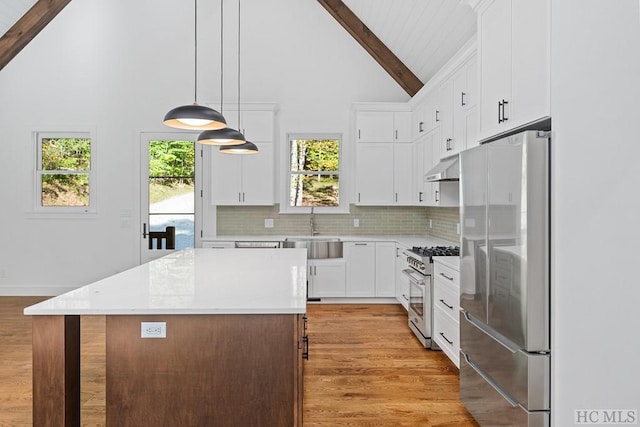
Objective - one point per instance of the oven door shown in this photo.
(419, 311)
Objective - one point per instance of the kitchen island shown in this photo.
(199, 337)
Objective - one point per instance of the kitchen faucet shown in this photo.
(312, 224)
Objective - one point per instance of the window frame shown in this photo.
(38, 207)
(342, 206)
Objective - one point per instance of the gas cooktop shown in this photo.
(431, 251)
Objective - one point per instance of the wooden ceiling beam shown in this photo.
(372, 44)
(27, 27)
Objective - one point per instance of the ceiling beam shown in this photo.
(372, 44)
(27, 27)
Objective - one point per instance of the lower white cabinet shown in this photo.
(370, 269)
(402, 280)
(326, 278)
(446, 303)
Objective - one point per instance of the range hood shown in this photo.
(447, 170)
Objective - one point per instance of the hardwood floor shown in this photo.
(365, 369)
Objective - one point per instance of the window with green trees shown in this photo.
(64, 170)
(315, 171)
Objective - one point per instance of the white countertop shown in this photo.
(407, 240)
(449, 261)
(195, 281)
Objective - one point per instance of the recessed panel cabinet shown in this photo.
(246, 179)
(383, 126)
(383, 174)
(514, 48)
(326, 278)
(426, 155)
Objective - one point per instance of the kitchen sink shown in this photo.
(317, 247)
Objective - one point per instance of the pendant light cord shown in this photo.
(239, 1)
(221, 55)
(195, 56)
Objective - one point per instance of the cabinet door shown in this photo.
(494, 33)
(402, 126)
(402, 174)
(258, 176)
(402, 281)
(446, 116)
(226, 178)
(530, 61)
(418, 171)
(327, 279)
(374, 126)
(419, 117)
(385, 269)
(257, 126)
(360, 259)
(374, 174)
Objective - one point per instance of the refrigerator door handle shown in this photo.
(485, 377)
(505, 343)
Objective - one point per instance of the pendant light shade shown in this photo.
(195, 116)
(226, 136)
(246, 148)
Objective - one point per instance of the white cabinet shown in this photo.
(385, 269)
(326, 278)
(446, 322)
(370, 269)
(361, 273)
(383, 126)
(255, 125)
(426, 155)
(243, 179)
(514, 53)
(246, 179)
(383, 174)
(402, 280)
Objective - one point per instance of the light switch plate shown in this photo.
(268, 223)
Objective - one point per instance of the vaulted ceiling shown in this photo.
(419, 35)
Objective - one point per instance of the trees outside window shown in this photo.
(315, 171)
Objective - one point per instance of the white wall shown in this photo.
(117, 67)
(596, 206)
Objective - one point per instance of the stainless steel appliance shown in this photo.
(420, 275)
(504, 288)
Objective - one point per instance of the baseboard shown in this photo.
(354, 301)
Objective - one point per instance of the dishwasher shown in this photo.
(266, 244)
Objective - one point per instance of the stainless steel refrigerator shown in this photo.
(504, 288)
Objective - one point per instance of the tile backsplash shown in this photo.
(373, 220)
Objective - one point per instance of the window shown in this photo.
(64, 176)
(314, 177)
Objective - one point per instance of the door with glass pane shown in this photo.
(170, 182)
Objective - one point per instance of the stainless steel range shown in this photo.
(421, 289)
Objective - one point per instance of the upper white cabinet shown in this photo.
(426, 154)
(383, 175)
(383, 126)
(513, 46)
(246, 179)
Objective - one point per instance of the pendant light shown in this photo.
(226, 136)
(195, 116)
(248, 147)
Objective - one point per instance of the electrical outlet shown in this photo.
(268, 223)
(458, 228)
(153, 329)
(356, 222)
(430, 224)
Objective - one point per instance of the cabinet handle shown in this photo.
(361, 244)
(449, 144)
(462, 99)
(446, 339)
(446, 277)
(450, 307)
(420, 196)
(396, 197)
(315, 270)
(405, 297)
(499, 114)
(437, 199)
(396, 134)
(358, 197)
(504, 116)
(437, 116)
(305, 350)
(358, 133)
(239, 197)
(243, 197)
(421, 127)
